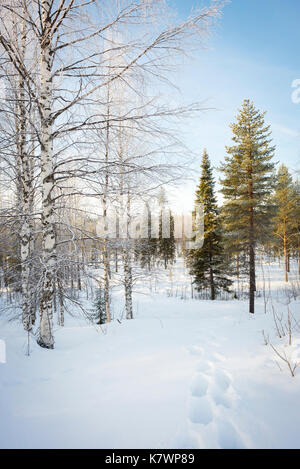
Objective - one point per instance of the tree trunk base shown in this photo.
(42, 344)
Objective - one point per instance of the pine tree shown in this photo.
(285, 221)
(296, 239)
(247, 182)
(207, 264)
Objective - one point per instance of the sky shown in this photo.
(253, 53)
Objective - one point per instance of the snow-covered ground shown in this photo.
(184, 374)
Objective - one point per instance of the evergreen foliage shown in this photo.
(207, 264)
(286, 219)
(166, 245)
(99, 314)
(246, 186)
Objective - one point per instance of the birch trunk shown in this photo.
(25, 190)
(127, 266)
(128, 282)
(106, 256)
(106, 283)
(46, 339)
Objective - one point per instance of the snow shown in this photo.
(183, 374)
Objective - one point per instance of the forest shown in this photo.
(98, 266)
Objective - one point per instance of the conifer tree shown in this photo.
(247, 182)
(166, 245)
(232, 242)
(146, 248)
(285, 221)
(296, 239)
(147, 253)
(99, 314)
(207, 264)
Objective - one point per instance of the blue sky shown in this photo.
(252, 54)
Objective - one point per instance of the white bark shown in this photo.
(48, 237)
(106, 257)
(127, 266)
(61, 43)
(25, 190)
(128, 282)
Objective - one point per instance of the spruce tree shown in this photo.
(247, 183)
(233, 244)
(166, 245)
(98, 314)
(207, 264)
(147, 248)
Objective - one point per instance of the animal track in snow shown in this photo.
(222, 380)
(211, 389)
(204, 367)
(199, 386)
(220, 398)
(228, 437)
(200, 410)
(219, 389)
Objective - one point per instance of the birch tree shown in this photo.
(69, 39)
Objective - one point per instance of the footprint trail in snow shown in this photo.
(210, 398)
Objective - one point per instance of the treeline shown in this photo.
(85, 123)
(260, 210)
